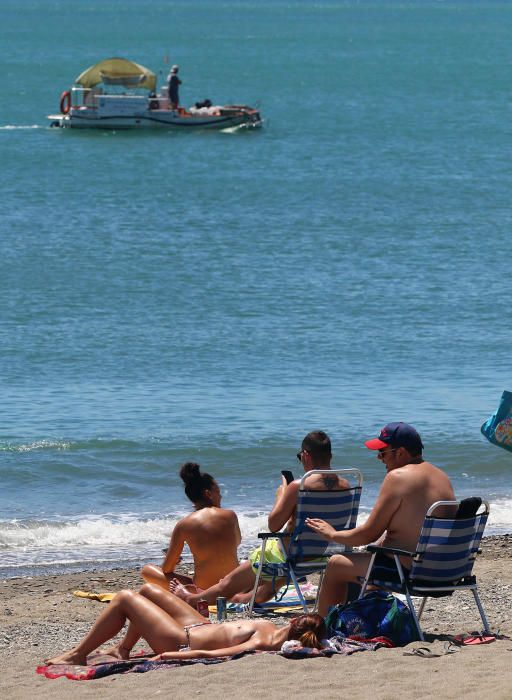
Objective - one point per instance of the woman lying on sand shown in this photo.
(174, 630)
(211, 532)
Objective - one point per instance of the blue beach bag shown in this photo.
(377, 614)
(498, 429)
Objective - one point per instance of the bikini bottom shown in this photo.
(186, 647)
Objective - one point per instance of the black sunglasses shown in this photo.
(299, 454)
(382, 453)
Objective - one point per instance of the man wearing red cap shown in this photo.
(410, 487)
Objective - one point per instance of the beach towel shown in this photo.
(498, 428)
(142, 664)
(338, 644)
(102, 597)
(109, 668)
(287, 597)
(286, 600)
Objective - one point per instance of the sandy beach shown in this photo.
(40, 617)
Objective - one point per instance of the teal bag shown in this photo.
(377, 614)
(498, 429)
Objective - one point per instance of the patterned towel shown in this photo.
(286, 600)
(140, 664)
(335, 645)
(109, 668)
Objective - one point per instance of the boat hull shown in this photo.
(154, 119)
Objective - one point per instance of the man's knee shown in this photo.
(240, 570)
(337, 561)
(339, 566)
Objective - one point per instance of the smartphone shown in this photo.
(287, 475)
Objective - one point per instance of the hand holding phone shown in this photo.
(288, 476)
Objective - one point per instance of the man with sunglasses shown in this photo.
(315, 453)
(410, 487)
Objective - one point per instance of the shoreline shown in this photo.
(40, 616)
(186, 567)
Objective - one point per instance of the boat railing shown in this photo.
(85, 97)
(89, 98)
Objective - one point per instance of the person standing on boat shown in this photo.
(173, 87)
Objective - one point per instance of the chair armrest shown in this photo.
(389, 550)
(277, 535)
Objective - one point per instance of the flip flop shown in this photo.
(428, 653)
(474, 638)
(424, 652)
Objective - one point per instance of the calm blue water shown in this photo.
(215, 296)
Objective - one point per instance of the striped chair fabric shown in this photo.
(339, 508)
(447, 550)
(307, 551)
(443, 560)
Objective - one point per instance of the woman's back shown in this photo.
(213, 536)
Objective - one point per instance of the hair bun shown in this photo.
(190, 471)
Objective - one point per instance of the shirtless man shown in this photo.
(211, 532)
(315, 453)
(410, 487)
(174, 630)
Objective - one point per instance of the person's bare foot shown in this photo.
(180, 591)
(69, 657)
(118, 651)
(241, 598)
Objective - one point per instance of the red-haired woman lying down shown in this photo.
(174, 630)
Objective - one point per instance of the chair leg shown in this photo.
(299, 592)
(481, 610)
(411, 607)
(367, 576)
(319, 588)
(420, 612)
(258, 574)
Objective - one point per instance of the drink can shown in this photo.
(221, 609)
(202, 607)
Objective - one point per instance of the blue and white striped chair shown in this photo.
(444, 557)
(307, 552)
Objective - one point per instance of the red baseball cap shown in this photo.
(397, 435)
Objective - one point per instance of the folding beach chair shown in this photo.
(444, 557)
(307, 552)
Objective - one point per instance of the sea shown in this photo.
(213, 297)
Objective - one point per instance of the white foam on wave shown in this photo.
(92, 531)
(112, 540)
(104, 531)
(105, 542)
(130, 529)
(14, 127)
(37, 445)
(500, 517)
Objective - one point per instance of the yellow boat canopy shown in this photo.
(117, 71)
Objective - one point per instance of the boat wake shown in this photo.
(241, 127)
(15, 127)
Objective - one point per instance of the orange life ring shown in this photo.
(65, 102)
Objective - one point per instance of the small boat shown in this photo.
(120, 94)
